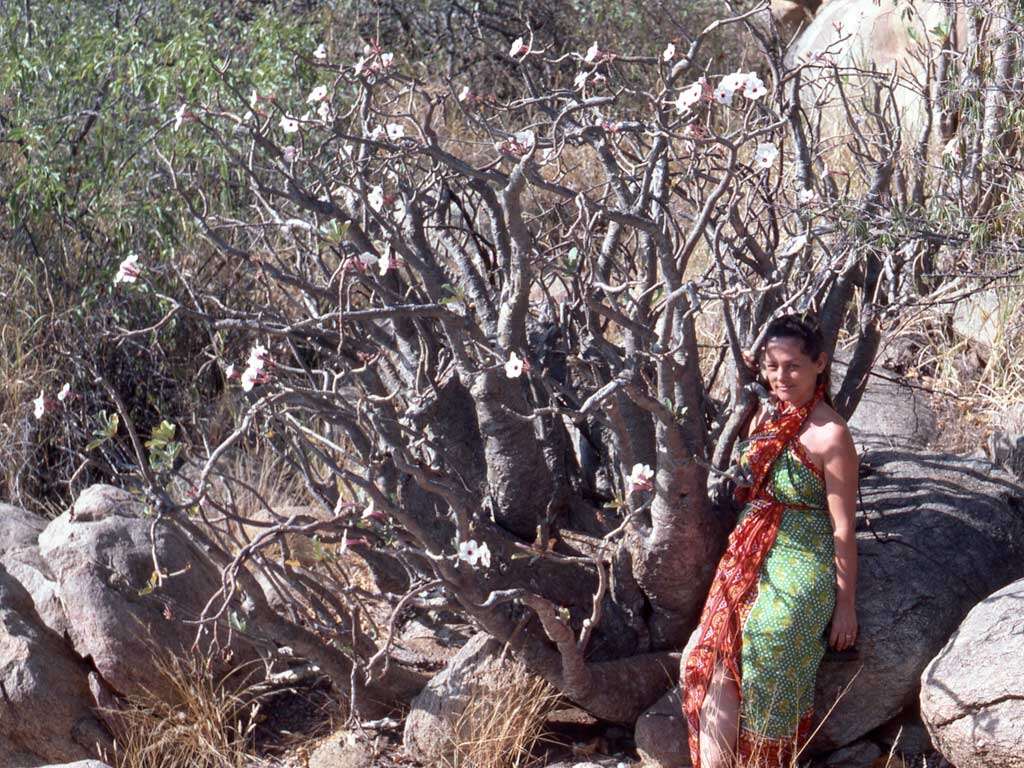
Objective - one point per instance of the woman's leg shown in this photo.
(719, 721)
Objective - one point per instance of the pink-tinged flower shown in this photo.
(40, 405)
(179, 116)
(580, 80)
(289, 124)
(395, 131)
(724, 95)
(753, 87)
(128, 271)
(370, 512)
(669, 53)
(377, 133)
(231, 372)
(519, 49)
(65, 391)
(289, 154)
(641, 478)
(690, 95)
(593, 54)
(324, 111)
(320, 52)
(317, 94)
(473, 553)
(806, 196)
(514, 366)
(765, 155)
(386, 60)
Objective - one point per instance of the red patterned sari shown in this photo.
(735, 586)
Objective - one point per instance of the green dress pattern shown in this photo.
(784, 634)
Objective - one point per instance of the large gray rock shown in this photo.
(44, 686)
(101, 559)
(341, 750)
(936, 534)
(972, 693)
(660, 733)
(428, 735)
(18, 528)
(79, 764)
(891, 413)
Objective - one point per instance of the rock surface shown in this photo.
(660, 733)
(101, 558)
(428, 726)
(18, 528)
(890, 413)
(44, 686)
(860, 754)
(972, 693)
(338, 751)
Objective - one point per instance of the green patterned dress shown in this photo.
(784, 634)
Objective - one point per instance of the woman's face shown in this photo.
(792, 376)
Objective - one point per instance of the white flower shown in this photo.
(689, 96)
(231, 371)
(64, 392)
(474, 553)
(765, 155)
(592, 53)
(805, 196)
(254, 98)
(289, 124)
(317, 94)
(669, 53)
(395, 131)
(289, 153)
(753, 87)
(641, 478)
(40, 405)
(464, 93)
(129, 270)
(724, 95)
(518, 48)
(179, 116)
(320, 52)
(249, 377)
(580, 80)
(734, 81)
(366, 259)
(399, 211)
(377, 133)
(386, 60)
(359, 67)
(324, 111)
(376, 198)
(513, 366)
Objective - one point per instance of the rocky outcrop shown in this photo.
(43, 684)
(432, 714)
(118, 614)
(660, 733)
(972, 692)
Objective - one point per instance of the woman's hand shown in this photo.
(843, 630)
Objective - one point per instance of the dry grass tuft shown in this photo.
(210, 726)
(503, 721)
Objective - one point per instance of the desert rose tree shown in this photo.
(500, 339)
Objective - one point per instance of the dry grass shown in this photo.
(209, 726)
(503, 721)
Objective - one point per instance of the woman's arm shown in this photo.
(841, 469)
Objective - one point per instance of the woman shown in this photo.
(789, 572)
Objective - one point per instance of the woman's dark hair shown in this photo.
(804, 329)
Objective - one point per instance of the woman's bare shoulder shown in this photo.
(828, 429)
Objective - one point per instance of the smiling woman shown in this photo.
(788, 576)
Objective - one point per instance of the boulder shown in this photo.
(935, 534)
(341, 750)
(44, 685)
(660, 733)
(891, 413)
(972, 692)
(18, 528)
(860, 754)
(102, 560)
(26, 564)
(428, 734)
(79, 764)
